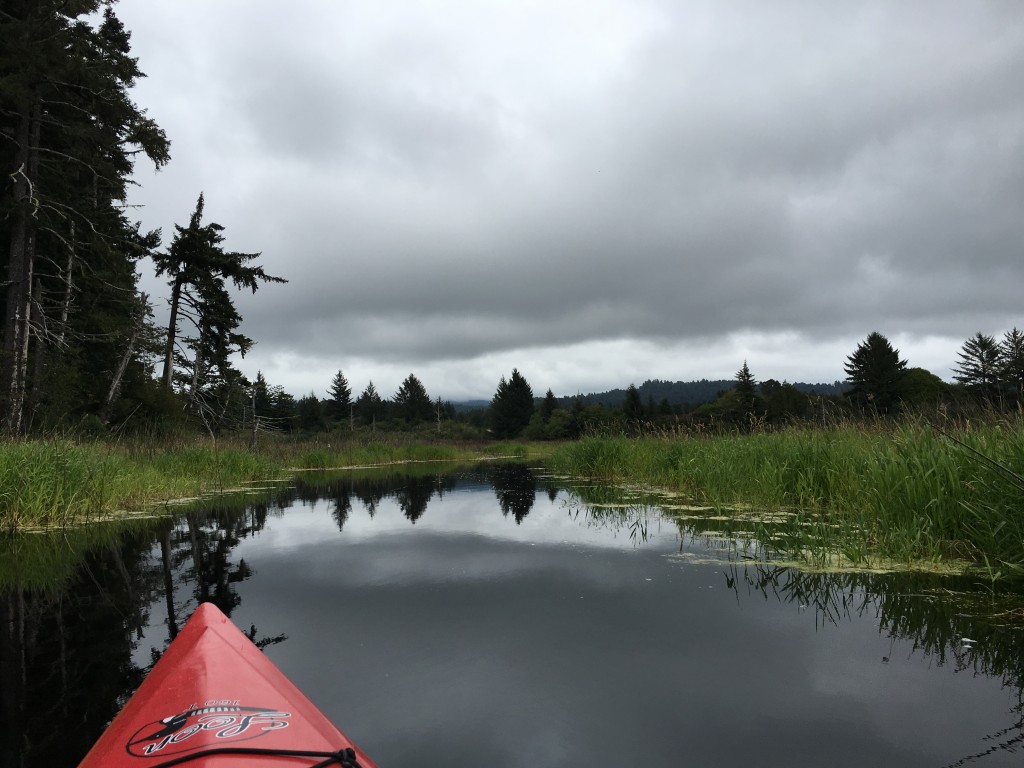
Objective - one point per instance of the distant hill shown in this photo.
(682, 393)
(689, 393)
(470, 405)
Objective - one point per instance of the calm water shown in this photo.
(488, 618)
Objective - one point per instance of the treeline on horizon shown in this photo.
(879, 384)
(412, 406)
(82, 349)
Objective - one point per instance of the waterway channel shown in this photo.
(489, 616)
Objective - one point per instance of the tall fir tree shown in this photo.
(339, 403)
(370, 405)
(548, 406)
(71, 135)
(412, 402)
(1011, 371)
(632, 406)
(511, 406)
(199, 269)
(876, 372)
(309, 413)
(746, 390)
(980, 366)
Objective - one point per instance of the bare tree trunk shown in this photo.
(172, 328)
(197, 366)
(39, 354)
(115, 385)
(65, 306)
(13, 365)
(254, 443)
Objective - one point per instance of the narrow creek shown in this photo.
(488, 617)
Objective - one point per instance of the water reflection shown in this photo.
(413, 489)
(953, 622)
(495, 594)
(516, 488)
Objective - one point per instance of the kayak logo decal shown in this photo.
(223, 719)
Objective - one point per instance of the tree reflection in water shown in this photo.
(515, 485)
(68, 656)
(933, 613)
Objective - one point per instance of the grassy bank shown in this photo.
(905, 493)
(60, 482)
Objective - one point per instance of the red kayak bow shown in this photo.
(214, 700)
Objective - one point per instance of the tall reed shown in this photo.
(59, 481)
(905, 492)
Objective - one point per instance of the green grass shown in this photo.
(905, 493)
(60, 481)
(57, 482)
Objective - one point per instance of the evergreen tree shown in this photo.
(578, 413)
(412, 401)
(70, 138)
(876, 372)
(632, 407)
(782, 401)
(369, 406)
(203, 362)
(260, 394)
(339, 404)
(1011, 371)
(285, 408)
(199, 268)
(309, 413)
(980, 366)
(271, 405)
(511, 407)
(746, 391)
(548, 406)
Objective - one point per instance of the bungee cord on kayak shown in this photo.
(344, 757)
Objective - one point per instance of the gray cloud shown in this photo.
(459, 184)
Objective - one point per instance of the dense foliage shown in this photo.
(73, 319)
(78, 340)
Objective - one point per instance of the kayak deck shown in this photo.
(214, 700)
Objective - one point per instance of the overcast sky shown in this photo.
(595, 192)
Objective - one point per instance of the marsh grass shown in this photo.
(60, 481)
(909, 493)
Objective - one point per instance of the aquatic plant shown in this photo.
(908, 492)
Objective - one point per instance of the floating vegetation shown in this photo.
(913, 497)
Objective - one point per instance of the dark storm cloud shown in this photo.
(450, 181)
